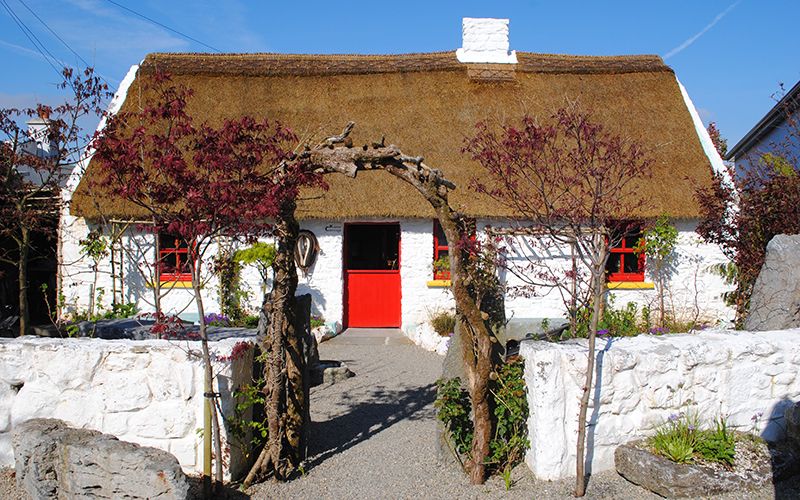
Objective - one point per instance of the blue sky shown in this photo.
(730, 55)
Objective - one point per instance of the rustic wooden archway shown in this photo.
(286, 395)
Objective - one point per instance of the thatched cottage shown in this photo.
(377, 238)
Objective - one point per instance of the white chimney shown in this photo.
(485, 40)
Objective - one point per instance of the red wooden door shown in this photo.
(372, 276)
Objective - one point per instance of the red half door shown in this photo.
(372, 276)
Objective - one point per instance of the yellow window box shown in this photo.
(630, 285)
(173, 284)
(439, 284)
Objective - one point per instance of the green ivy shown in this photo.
(511, 418)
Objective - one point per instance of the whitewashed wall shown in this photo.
(147, 392)
(325, 279)
(76, 274)
(641, 381)
(694, 290)
(416, 268)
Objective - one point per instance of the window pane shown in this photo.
(373, 246)
(169, 263)
(631, 263)
(614, 262)
(438, 233)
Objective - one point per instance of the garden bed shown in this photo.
(757, 463)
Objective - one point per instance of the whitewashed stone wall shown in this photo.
(325, 279)
(416, 269)
(146, 392)
(694, 290)
(641, 381)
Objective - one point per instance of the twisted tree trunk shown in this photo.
(285, 390)
(286, 402)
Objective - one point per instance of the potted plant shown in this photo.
(441, 268)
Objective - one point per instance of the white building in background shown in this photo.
(377, 238)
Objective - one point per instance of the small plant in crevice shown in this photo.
(316, 321)
(443, 322)
(510, 415)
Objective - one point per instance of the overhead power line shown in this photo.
(55, 34)
(151, 20)
(31, 36)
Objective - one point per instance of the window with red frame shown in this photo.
(624, 264)
(174, 262)
(441, 251)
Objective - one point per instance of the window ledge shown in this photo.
(172, 284)
(630, 285)
(439, 284)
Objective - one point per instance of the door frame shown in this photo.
(345, 228)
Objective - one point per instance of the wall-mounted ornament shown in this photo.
(306, 250)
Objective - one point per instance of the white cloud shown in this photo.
(680, 48)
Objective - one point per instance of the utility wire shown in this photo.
(55, 34)
(32, 38)
(85, 63)
(163, 25)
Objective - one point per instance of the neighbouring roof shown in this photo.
(427, 104)
(777, 115)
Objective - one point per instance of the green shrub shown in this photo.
(453, 405)
(681, 440)
(317, 321)
(443, 322)
(511, 416)
(251, 321)
(509, 400)
(121, 311)
(615, 322)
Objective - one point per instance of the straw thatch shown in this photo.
(427, 104)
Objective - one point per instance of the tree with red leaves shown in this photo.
(34, 168)
(200, 183)
(744, 209)
(571, 183)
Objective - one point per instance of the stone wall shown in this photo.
(749, 378)
(146, 392)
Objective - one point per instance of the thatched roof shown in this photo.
(427, 104)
